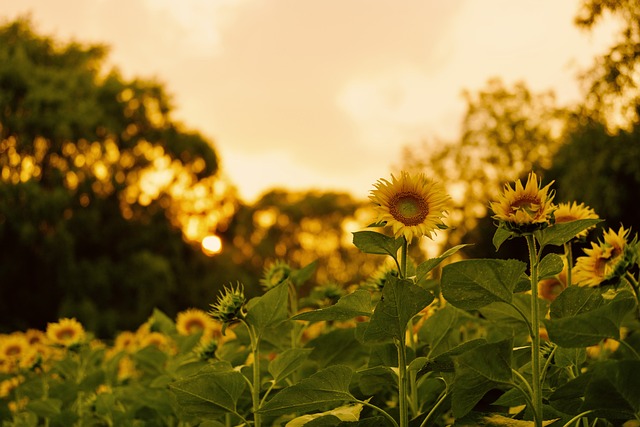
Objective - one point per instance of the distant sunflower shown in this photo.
(65, 332)
(605, 261)
(193, 321)
(412, 205)
(524, 208)
(13, 347)
(568, 212)
(274, 274)
(549, 288)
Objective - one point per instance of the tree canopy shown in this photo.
(104, 197)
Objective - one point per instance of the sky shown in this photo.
(324, 94)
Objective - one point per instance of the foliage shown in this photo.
(102, 194)
(506, 131)
(470, 346)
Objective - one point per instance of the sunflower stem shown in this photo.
(402, 382)
(403, 258)
(568, 253)
(402, 349)
(536, 384)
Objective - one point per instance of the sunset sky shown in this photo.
(323, 94)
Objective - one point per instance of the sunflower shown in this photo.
(605, 261)
(412, 205)
(66, 332)
(549, 288)
(193, 320)
(274, 274)
(526, 208)
(13, 347)
(568, 212)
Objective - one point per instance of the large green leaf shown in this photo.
(425, 267)
(327, 387)
(478, 371)
(349, 306)
(213, 391)
(550, 265)
(559, 234)
(372, 242)
(287, 362)
(401, 300)
(269, 309)
(614, 389)
(471, 284)
(581, 317)
(440, 331)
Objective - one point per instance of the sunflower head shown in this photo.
(608, 260)
(192, 321)
(567, 212)
(412, 205)
(67, 332)
(274, 274)
(228, 308)
(524, 209)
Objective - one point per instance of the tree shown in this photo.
(506, 132)
(300, 228)
(103, 197)
(613, 81)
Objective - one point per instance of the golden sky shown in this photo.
(323, 94)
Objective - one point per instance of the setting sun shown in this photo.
(211, 245)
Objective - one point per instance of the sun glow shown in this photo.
(212, 245)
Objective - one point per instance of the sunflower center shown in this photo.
(65, 334)
(13, 350)
(409, 208)
(194, 325)
(529, 204)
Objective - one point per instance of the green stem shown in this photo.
(577, 418)
(403, 258)
(631, 349)
(402, 382)
(535, 337)
(568, 253)
(255, 389)
(441, 398)
(382, 411)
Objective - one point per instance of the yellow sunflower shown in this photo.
(412, 205)
(525, 208)
(13, 347)
(604, 261)
(568, 212)
(65, 332)
(193, 320)
(551, 287)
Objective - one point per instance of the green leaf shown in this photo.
(45, 408)
(269, 309)
(327, 387)
(372, 242)
(401, 300)
(551, 265)
(425, 267)
(614, 390)
(287, 362)
(501, 235)
(349, 306)
(213, 391)
(587, 318)
(444, 362)
(514, 316)
(559, 234)
(471, 284)
(478, 371)
(440, 331)
(298, 277)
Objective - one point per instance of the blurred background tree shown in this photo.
(590, 149)
(103, 197)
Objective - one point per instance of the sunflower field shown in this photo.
(554, 341)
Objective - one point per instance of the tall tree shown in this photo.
(505, 132)
(102, 195)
